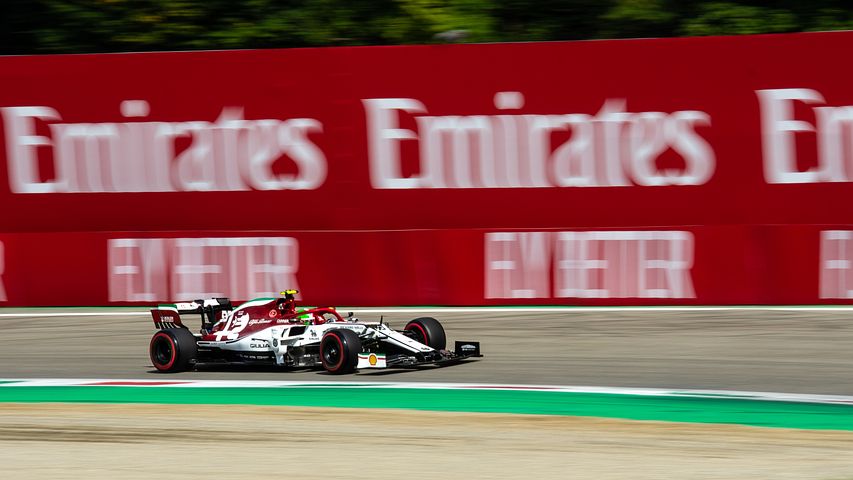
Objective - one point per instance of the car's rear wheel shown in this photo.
(339, 351)
(173, 350)
(428, 331)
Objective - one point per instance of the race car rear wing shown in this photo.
(211, 310)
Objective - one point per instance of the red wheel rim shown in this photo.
(323, 352)
(413, 326)
(156, 342)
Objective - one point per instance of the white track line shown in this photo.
(655, 392)
(439, 310)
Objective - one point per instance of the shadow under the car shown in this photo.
(226, 369)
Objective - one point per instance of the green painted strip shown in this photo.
(633, 407)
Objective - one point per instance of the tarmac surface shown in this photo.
(750, 350)
(796, 352)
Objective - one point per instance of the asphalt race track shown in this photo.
(775, 351)
(779, 351)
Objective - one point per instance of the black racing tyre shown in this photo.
(173, 350)
(428, 331)
(339, 351)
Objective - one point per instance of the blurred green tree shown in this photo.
(639, 18)
(74, 26)
(727, 18)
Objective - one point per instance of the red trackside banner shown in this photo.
(685, 171)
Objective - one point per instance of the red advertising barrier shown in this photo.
(452, 174)
(696, 265)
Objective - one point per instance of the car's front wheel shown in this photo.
(173, 350)
(339, 351)
(428, 331)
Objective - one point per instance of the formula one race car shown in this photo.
(273, 331)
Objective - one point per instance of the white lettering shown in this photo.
(695, 150)
(833, 127)
(134, 108)
(610, 120)
(613, 148)
(517, 265)
(382, 138)
(777, 128)
(137, 268)
(84, 155)
(836, 267)
(157, 269)
(578, 267)
(574, 161)
(21, 144)
(835, 143)
(468, 159)
(593, 264)
(264, 139)
(241, 267)
(307, 156)
(648, 140)
(226, 155)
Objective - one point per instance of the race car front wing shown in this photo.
(462, 351)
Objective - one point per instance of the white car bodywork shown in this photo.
(280, 339)
(273, 331)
